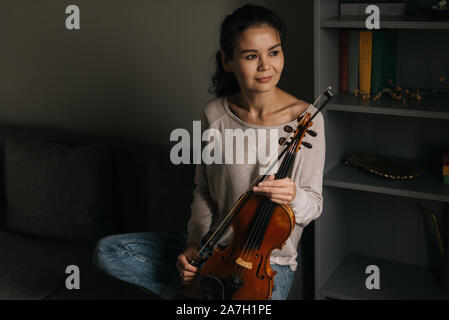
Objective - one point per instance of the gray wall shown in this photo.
(136, 69)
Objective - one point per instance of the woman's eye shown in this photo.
(251, 57)
(274, 53)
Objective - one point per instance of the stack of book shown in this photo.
(368, 60)
(446, 167)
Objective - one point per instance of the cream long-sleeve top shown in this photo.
(219, 185)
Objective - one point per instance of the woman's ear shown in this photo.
(224, 61)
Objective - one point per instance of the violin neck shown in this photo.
(287, 162)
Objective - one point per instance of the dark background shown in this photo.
(135, 69)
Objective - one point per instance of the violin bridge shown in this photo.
(244, 264)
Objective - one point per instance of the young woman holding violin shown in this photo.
(249, 66)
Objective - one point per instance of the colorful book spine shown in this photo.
(365, 60)
(353, 61)
(446, 167)
(344, 51)
(383, 59)
(445, 170)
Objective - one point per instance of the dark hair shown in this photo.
(224, 83)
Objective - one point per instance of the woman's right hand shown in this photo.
(187, 272)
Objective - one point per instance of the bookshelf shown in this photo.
(432, 106)
(386, 23)
(368, 220)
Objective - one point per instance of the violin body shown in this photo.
(241, 270)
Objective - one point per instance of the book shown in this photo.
(446, 179)
(445, 170)
(344, 51)
(384, 59)
(365, 60)
(386, 8)
(353, 61)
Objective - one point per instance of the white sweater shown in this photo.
(218, 186)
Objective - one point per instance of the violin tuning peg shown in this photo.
(288, 129)
(307, 145)
(282, 140)
(312, 133)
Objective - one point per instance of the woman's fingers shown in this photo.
(274, 190)
(281, 199)
(281, 191)
(187, 272)
(184, 265)
(277, 182)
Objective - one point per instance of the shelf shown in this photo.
(397, 281)
(432, 105)
(429, 185)
(387, 23)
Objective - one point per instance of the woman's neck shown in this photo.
(258, 104)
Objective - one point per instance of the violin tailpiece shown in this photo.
(244, 264)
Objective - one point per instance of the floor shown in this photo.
(96, 285)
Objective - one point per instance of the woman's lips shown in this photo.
(266, 79)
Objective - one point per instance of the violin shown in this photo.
(241, 269)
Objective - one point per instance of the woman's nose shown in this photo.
(262, 65)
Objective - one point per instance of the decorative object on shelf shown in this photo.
(442, 272)
(387, 167)
(395, 92)
(440, 10)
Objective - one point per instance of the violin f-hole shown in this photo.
(258, 275)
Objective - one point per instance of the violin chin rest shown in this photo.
(213, 287)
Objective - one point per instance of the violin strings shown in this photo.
(263, 218)
(266, 215)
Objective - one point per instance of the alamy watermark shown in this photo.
(73, 280)
(373, 280)
(73, 20)
(237, 146)
(373, 20)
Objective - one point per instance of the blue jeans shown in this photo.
(148, 260)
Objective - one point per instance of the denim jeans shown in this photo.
(148, 260)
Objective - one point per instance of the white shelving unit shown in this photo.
(368, 220)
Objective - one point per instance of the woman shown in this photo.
(249, 66)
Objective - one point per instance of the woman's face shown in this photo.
(258, 59)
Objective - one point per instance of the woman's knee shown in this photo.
(105, 249)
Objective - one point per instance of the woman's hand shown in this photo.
(187, 272)
(280, 191)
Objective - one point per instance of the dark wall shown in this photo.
(134, 69)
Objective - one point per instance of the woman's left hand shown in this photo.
(280, 191)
